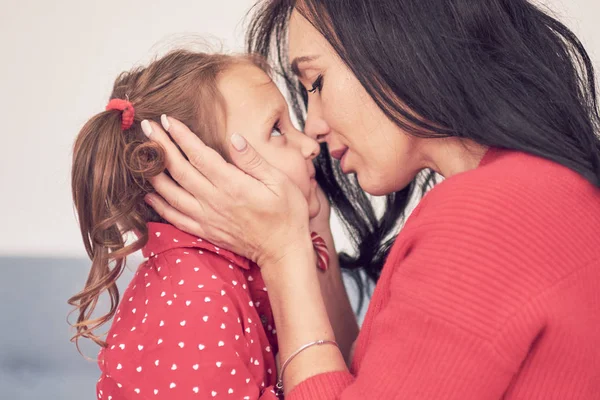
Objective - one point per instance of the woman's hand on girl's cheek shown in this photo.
(250, 208)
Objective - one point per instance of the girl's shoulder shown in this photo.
(181, 273)
(185, 263)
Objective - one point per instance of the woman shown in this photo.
(491, 288)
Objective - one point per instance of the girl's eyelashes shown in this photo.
(317, 84)
(276, 131)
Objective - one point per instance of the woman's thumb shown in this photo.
(246, 158)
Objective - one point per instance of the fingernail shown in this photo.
(148, 199)
(146, 127)
(238, 142)
(165, 122)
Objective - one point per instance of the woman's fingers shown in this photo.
(250, 208)
(179, 198)
(175, 163)
(178, 219)
(204, 159)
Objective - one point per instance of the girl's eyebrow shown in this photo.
(299, 60)
(274, 115)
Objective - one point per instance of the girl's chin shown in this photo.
(314, 206)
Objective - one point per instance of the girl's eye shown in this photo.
(276, 131)
(317, 84)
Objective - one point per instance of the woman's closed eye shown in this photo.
(317, 84)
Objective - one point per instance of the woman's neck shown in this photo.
(452, 156)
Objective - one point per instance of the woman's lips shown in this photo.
(340, 154)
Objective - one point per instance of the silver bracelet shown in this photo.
(279, 385)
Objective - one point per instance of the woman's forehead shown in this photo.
(304, 39)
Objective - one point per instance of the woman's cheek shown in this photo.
(342, 100)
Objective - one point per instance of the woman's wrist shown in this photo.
(275, 265)
(339, 308)
(301, 317)
(297, 304)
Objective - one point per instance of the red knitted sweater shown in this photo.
(492, 290)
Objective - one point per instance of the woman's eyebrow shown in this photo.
(298, 60)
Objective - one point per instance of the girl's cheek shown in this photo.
(296, 170)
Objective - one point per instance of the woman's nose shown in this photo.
(315, 126)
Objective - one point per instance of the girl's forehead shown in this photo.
(246, 71)
(247, 80)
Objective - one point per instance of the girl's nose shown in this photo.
(310, 148)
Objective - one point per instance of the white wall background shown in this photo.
(59, 59)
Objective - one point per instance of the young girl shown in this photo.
(195, 321)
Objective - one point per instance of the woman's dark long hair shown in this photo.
(503, 73)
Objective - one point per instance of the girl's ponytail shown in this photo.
(109, 182)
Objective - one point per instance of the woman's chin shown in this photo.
(372, 186)
(382, 187)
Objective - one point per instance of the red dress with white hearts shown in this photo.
(194, 323)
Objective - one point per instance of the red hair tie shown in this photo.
(127, 111)
(321, 250)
